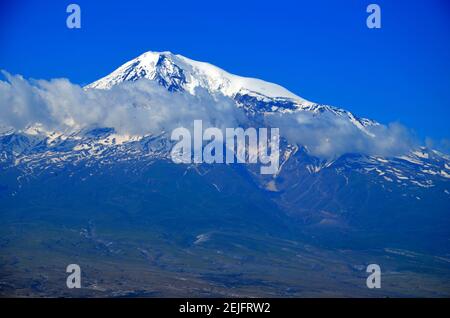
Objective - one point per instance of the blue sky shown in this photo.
(320, 50)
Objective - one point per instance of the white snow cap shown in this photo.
(197, 74)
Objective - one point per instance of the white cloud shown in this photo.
(141, 107)
(144, 107)
(328, 136)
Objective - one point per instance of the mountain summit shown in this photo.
(177, 72)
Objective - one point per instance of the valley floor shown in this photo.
(33, 261)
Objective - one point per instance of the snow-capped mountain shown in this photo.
(178, 73)
(349, 189)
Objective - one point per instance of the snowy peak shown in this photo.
(176, 72)
(179, 73)
(150, 65)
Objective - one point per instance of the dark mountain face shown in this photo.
(136, 226)
(141, 225)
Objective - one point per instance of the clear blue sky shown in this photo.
(321, 50)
